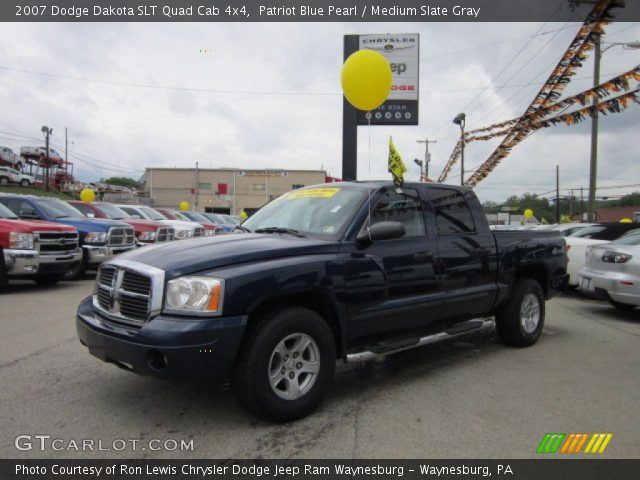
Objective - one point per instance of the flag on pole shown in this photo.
(396, 165)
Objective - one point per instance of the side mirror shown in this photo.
(382, 231)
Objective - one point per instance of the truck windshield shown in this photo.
(58, 209)
(6, 213)
(152, 214)
(322, 211)
(113, 212)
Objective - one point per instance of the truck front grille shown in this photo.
(123, 294)
(121, 237)
(199, 232)
(165, 234)
(55, 243)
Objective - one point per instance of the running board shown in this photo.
(394, 347)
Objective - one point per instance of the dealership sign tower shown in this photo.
(401, 108)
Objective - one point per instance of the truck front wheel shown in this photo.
(285, 364)
(519, 322)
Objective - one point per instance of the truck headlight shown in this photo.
(195, 294)
(21, 241)
(95, 237)
(147, 236)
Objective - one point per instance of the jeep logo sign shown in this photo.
(403, 53)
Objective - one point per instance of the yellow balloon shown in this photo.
(626, 220)
(87, 195)
(366, 79)
(184, 206)
(528, 213)
(243, 215)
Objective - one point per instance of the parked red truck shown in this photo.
(147, 231)
(37, 250)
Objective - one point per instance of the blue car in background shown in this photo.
(100, 239)
(224, 221)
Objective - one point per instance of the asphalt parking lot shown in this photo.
(466, 397)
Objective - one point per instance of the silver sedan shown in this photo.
(612, 272)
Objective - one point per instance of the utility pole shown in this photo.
(581, 204)
(47, 132)
(427, 155)
(558, 193)
(349, 122)
(197, 185)
(593, 163)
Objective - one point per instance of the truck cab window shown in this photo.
(404, 207)
(453, 216)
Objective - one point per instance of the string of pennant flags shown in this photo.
(615, 85)
(546, 101)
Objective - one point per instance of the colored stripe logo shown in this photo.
(573, 443)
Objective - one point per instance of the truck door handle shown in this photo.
(483, 251)
(423, 256)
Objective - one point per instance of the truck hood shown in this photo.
(181, 224)
(30, 226)
(208, 253)
(141, 225)
(91, 224)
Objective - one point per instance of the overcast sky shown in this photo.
(270, 97)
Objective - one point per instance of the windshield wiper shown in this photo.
(240, 227)
(290, 231)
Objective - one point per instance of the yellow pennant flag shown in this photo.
(396, 165)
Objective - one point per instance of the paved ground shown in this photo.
(467, 397)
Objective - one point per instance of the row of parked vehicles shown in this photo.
(47, 239)
(603, 260)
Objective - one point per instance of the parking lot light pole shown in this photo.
(460, 120)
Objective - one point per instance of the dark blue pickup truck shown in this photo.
(100, 239)
(320, 274)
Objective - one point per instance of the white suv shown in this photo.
(10, 175)
(9, 157)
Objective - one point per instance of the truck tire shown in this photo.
(47, 280)
(624, 307)
(4, 180)
(24, 182)
(519, 323)
(285, 364)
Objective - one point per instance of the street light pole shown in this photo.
(593, 161)
(47, 132)
(460, 120)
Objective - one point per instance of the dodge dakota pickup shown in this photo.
(99, 239)
(41, 251)
(319, 274)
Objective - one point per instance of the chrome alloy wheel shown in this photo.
(530, 312)
(294, 366)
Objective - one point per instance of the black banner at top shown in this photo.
(305, 10)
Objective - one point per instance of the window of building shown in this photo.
(258, 186)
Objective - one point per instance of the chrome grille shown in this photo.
(55, 243)
(165, 234)
(199, 232)
(123, 294)
(121, 237)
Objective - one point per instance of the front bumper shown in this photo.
(96, 254)
(28, 263)
(165, 346)
(602, 284)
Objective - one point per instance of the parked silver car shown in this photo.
(612, 272)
